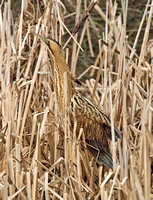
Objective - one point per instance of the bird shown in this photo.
(95, 124)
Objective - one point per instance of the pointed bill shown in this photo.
(42, 38)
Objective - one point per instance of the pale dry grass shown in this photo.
(33, 161)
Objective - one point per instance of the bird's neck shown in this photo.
(63, 85)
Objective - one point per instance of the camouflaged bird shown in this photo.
(96, 125)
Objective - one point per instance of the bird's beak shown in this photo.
(42, 38)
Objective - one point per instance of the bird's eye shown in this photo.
(51, 50)
(72, 105)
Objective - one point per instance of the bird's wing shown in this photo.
(96, 126)
(106, 124)
(98, 150)
(91, 112)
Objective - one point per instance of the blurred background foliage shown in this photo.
(135, 12)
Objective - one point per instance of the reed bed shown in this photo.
(34, 163)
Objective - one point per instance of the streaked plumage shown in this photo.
(96, 125)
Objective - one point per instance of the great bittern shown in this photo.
(96, 125)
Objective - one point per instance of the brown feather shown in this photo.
(96, 125)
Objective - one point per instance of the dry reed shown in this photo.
(33, 161)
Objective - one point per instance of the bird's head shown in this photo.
(52, 45)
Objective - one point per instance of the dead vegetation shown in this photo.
(33, 163)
